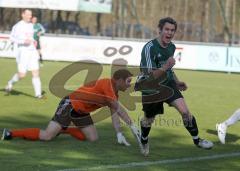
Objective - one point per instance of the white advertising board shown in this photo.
(234, 59)
(99, 6)
(6, 47)
(102, 51)
(195, 57)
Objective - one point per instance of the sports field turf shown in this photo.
(212, 97)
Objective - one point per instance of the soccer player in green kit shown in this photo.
(157, 61)
(38, 31)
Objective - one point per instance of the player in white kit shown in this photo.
(222, 127)
(27, 57)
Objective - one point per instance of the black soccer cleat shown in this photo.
(6, 135)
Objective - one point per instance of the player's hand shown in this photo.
(121, 139)
(169, 64)
(181, 86)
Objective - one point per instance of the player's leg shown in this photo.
(146, 123)
(39, 51)
(15, 78)
(33, 66)
(74, 132)
(26, 133)
(85, 124)
(233, 119)
(150, 111)
(190, 123)
(50, 132)
(61, 119)
(36, 82)
(222, 127)
(90, 133)
(188, 120)
(40, 57)
(22, 69)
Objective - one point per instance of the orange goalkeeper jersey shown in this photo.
(92, 96)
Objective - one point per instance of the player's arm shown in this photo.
(116, 109)
(42, 30)
(182, 86)
(161, 71)
(116, 123)
(117, 126)
(14, 35)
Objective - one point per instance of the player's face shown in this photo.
(34, 19)
(125, 84)
(128, 82)
(167, 33)
(27, 16)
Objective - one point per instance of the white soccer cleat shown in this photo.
(205, 144)
(145, 149)
(39, 96)
(8, 88)
(221, 130)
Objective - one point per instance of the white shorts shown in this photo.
(27, 60)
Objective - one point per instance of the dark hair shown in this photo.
(165, 20)
(122, 74)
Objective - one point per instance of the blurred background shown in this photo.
(214, 21)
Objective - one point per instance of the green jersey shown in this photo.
(154, 56)
(38, 28)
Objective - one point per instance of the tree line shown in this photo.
(199, 21)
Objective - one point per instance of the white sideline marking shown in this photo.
(147, 163)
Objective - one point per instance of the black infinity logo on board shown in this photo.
(123, 50)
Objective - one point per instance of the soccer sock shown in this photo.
(144, 137)
(40, 58)
(144, 134)
(75, 132)
(191, 125)
(37, 86)
(28, 133)
(14, 79)
(233, 119)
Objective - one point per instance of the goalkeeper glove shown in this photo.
(121, 139)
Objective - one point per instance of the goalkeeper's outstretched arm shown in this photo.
(116, 109)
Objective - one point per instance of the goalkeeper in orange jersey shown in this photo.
(76, 108)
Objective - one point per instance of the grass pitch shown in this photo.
(212, 97)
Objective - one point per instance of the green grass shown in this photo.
(212, 97)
